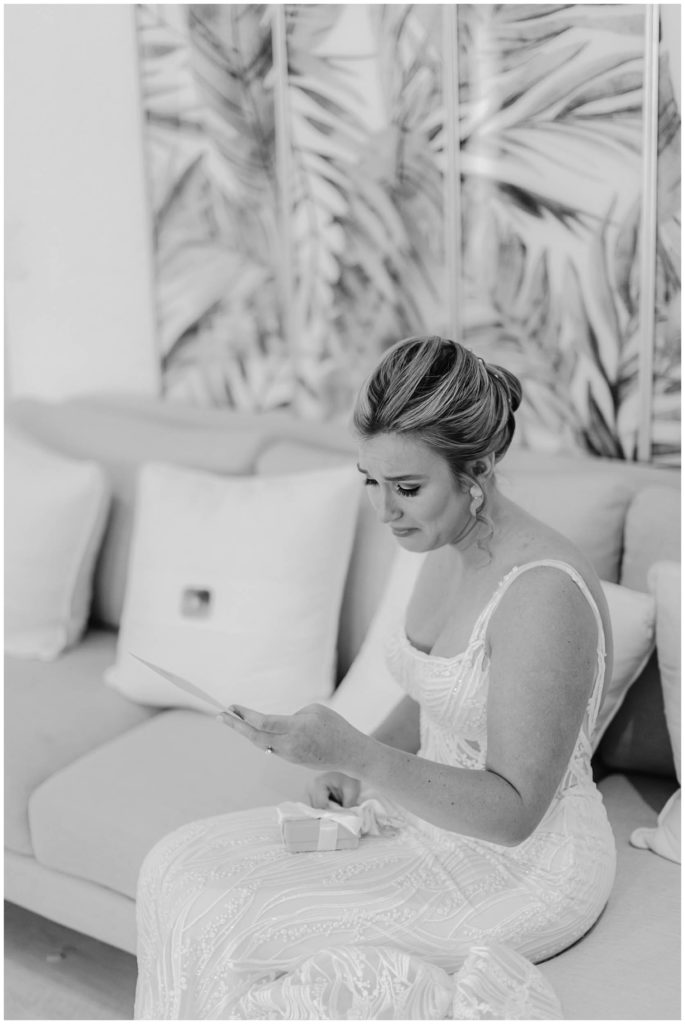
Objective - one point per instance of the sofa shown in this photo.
(93, 779)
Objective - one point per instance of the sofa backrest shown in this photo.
(121, 434)
(637, 739)
(623, 516)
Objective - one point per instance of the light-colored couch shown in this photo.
(92, 780)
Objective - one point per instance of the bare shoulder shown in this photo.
(544, 614)
(544, 589)
(543, 543)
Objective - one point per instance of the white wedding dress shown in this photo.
(420, 924)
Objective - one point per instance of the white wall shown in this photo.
(79, 312)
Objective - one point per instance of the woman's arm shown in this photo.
(542, 666)
(401, 728)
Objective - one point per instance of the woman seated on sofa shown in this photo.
(500, 854)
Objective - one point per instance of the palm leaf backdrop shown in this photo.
(550, 133)
(210, 132)
(367, 200)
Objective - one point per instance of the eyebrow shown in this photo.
(394, 479)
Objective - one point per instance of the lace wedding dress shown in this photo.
(419, 924)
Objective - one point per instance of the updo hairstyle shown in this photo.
(442, 394)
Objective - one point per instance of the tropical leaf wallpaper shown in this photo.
(549, 132)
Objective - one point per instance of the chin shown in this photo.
(413, 541)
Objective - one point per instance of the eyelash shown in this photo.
(406, 492)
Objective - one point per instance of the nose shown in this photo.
(386, 507)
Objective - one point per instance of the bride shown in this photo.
(501, 854)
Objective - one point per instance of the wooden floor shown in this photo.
(53, 973)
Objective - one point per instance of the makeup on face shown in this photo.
(413, 491)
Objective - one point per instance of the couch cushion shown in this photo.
(98, 818)
(635, 475)
(652, 534)
(637, 739)
(55, 514)
(664, 579)
(123, 432)
(373, 547)
(628, 966)
(54, 714)
(589, 510)
(246, 573)
(121, 437)
(665, 582)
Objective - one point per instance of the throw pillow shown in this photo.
(587, 509)
(368, 693)
(373, 548)
(235, 584)
(664, 582)
(664, 839)
(55, 514)
(651, 533)
(632, 617)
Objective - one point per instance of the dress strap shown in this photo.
(484, 618)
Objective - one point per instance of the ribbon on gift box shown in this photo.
(328, 834)
(369, 818)
(330, 821)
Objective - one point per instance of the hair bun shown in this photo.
(509, 383)
(444, 394)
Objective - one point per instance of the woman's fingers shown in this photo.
(322, 789)
(278, 734)
(264, 731)
(238, 725)
(263, 723)
(340, 788)
(350, 791)
(252, 723)
(314, 736)
(319, 794)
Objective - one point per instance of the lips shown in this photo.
(402, 533)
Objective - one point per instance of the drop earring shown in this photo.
(476, 499)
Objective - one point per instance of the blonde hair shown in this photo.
(444, 395)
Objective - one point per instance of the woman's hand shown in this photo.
(336, 786)
(315, 736)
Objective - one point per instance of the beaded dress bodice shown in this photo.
(453, 691)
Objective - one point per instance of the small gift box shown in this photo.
(307, 829)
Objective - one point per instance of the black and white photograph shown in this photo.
(342, 447)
